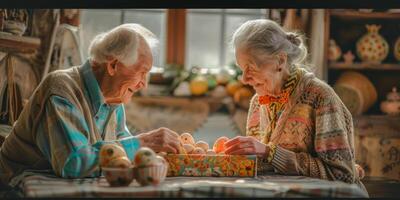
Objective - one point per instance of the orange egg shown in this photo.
(219, 144)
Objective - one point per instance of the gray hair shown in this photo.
(267, 37)
(120, 42)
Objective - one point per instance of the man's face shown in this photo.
(129, 79)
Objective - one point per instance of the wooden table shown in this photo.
(46, 185)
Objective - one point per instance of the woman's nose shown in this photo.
(245, 78)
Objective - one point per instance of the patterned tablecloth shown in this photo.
(46, 185)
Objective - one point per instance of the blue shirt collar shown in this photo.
(93, 90)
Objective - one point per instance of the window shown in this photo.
(95, 21)
(208, 35)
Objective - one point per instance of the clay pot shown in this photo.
(356, 91)
(396, 49)
(372, 47)
(334, 51)
(392, 105)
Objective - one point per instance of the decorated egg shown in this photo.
(162, 153)
(161, 160)
(188, 148)
(144, 156)
(120, 162)
(219, 144)
(210, 152)
(203, 145)
(110, 151)
(198, 150)
(181, 149)
(187, 138)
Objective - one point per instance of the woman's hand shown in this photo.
(245, 145)
(160, 140)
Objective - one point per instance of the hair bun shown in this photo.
(294, 38)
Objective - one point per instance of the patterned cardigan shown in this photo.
(314, 134)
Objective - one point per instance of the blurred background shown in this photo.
(194, 85)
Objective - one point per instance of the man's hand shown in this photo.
(245, 145)
(160, 140)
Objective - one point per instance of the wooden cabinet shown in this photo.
(377, 136)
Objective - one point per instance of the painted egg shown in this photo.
(160, 159)
(198, 150)
(203, 145)
(211, 152)
(188, 148)
(219, 144)
(162, 153)
(110, 151)
(187, 138)
(181, 149)
(144, 156)
(120, 162)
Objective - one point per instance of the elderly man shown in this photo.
(74, 112)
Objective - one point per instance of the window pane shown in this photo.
(204, 10)
(96, 21)
(203, 36)
(232, 23)
(246, 11)
(155, 21)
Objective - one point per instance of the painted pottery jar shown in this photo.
(392, 105)
(396, 49)
(334, 51)
(372, 47)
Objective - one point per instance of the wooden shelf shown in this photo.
(364, 15)
(18, 44)
(361, 66)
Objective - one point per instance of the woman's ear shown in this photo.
(111, 66)
(282, 60)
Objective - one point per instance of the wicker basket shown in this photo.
(356, 91)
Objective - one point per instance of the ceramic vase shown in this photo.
(334, 51)
(372, 47)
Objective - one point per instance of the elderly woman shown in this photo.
(296, 122)
(74, 112)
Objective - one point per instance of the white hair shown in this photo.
(265, 36)
(121, 43)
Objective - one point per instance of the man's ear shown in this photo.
(111, 66)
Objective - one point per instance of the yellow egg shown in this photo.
(188, 148)
(198, 150)
(187, 138)
(120, 162)
(110, 151)
(203, 145)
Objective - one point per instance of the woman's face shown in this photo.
(262, 76)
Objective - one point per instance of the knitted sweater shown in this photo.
(314, 134)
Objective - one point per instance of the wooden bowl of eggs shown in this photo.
(116, 166)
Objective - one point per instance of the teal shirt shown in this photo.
(81, 158)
